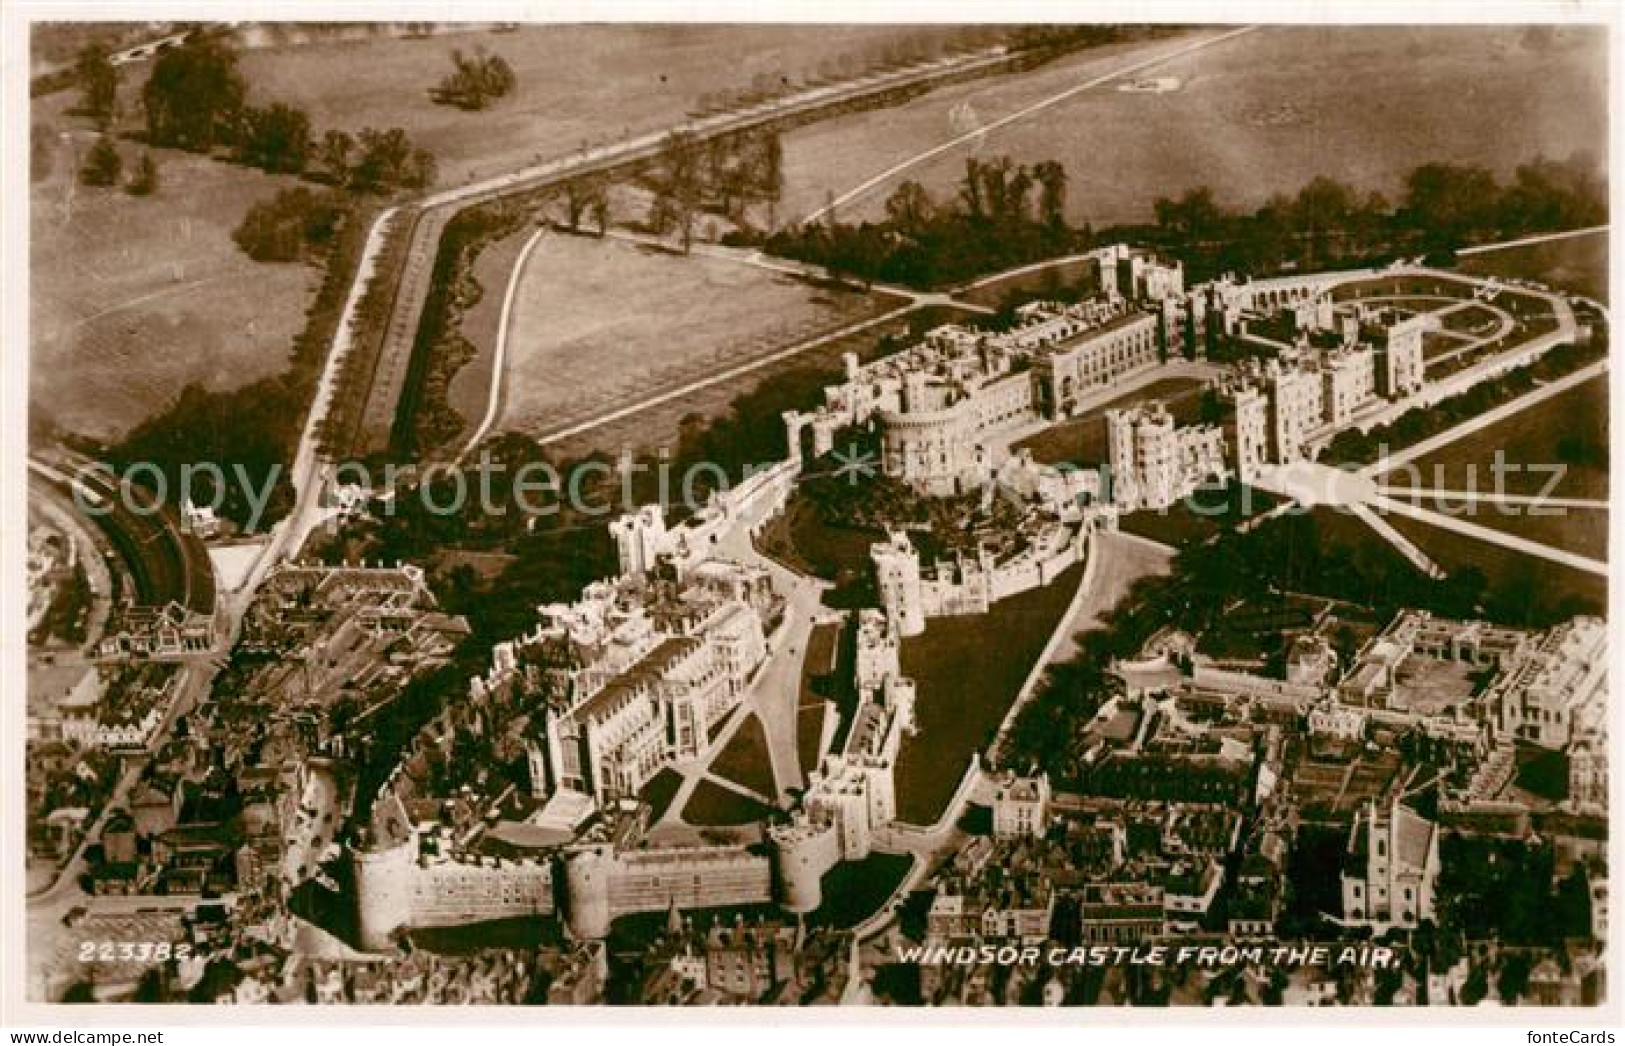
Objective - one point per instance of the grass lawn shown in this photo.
(470, 388)
(1471, 319)
(1082, 440)
(1256, 115)
(575, 83)
(819, 682)
(525, 933)
(1543, 773)
(1192, 521)
(809, 736)
(793, 383)
(660, 791)
(855, 890)
(599, 324)
(134, 297)
(964, 693)
(1580, 530)
(746, 760)
(1579, 265)
(1545, 589)
(1570, 429)
(1046, 281)
(712, 804)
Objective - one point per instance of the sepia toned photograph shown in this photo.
(1074, 516)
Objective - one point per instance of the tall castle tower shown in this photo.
(586, 884)
(383, 891)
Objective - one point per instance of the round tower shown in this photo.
(799, 863)
(383, 893)
(586, 893)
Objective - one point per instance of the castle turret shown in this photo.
(802, 852)
(586, 887)
(383, 892)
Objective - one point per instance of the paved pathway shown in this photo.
(1486, 419)
(1528, 241)
(1492, 536)
(499, 362)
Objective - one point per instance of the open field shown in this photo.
(1259, 114)
(133, 298)
(599, 324)
(1578, 265)
(1569, 430)
(1210, 508)
(964, 694)
(575, 83)
(818, 685)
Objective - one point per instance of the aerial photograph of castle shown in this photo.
(1074, 516)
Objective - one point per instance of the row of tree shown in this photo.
(196, 99)
(1330, 223)
(1003, 214)
(724, 175)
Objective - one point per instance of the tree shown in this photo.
(144, 182)
(102, 164)
(289, 225)
(475, 81)
(1192, 218)
(421, 170)
(385, 159)
(1051, 178)
(98, 84)
(910, 209)
(1513, 981)
(1320, 213)
(1448, 202)
(275, 139)
(194, 96)
(333, 156)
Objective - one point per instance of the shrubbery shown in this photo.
(293, 225)
(476, 81)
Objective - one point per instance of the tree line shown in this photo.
(724, 175)
(1328, 223)
(1002, 215)
(197, 99)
